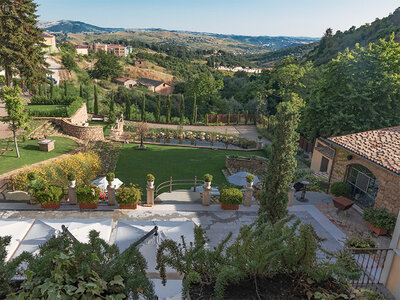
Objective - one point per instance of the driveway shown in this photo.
(55, 67)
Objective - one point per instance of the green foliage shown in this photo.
(51, 194)
(231, 196)
(128, 194)
(63, 111)
(107, 66)
(380, 218)
(68, 61)
(87, 194)
(143, 115)
(158, 113)
(193, 119)
(340, 189)
(282, 162)
(71, 176)
(64, 269)
(182, 110)
(150, 177)
(96, 101)
(110, 177)
(360, 241)
(208, 177)
(168, 107)
(250, 178)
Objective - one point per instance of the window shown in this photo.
(324, 164)
(364, 185)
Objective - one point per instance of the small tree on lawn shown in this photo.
(142, 130)
(182, 110)
(282, 165)
(143, 116)
(96, 101)
(193, 120)
(17, 117)
(158, 112)
(168, 109)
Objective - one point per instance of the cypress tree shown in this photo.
(246, 117)
(81, 91)
(193, 120)
(274, 197)
(206, 119)
(168, 109)
(41, 90)
(229, 118)
(111, 109)
(238, 119)
(158, 113)
(87, 102)
(96, 101)
(51, 88)
(144, 108)
(182, 110)
(128, 108)
(66, 89)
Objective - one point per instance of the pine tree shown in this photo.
(81, 91)
(182, 110)
(193, 120)
(96, 101)
(143, 116)
(282, 163)
(158, 112)
(168, 109)
(21, 42)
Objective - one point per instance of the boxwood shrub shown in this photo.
(230, 196)
(340, 189)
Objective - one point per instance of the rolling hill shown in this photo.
(66, 26)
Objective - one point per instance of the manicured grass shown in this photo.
(44, 107)
(178, 162)
(106, 127)
(31, 154)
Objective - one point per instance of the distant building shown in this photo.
(128, 50)
(140, 63)
(117, 50)
(156, 86)
(96, 47)
(82, 49)
(127, 82)
(240, 69)
(49, 41)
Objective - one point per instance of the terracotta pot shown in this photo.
(229, 206)
(50, 205)
(128, 206)
(378, 231)
(88, 205)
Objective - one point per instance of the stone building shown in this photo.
(127, 82)
(49, 41)
(156, 86)
(140, 63)
(368, 161)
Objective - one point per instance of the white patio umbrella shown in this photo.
(102, 183)
(240, 178)
(214, 190)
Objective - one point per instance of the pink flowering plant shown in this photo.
(88, 193)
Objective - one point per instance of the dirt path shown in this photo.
(4, 131)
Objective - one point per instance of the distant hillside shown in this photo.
(66, 26)
(331, 43)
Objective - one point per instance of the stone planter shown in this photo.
(229, 206)
(150, 183)
(128, 206)
(249, 184)
(378, 231)
(72, 183)
(50, 205)
(88, 205)
(207, 184)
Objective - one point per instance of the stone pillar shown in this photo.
(150, 195)
(259, 145)
(72, 192)
(290, 195)
(111, 195)
(206, 195)
(248, 194)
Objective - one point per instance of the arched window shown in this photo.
(364, 185)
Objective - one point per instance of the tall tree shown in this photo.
(143, 115)
(96, 101)
(282, 163)
(158, 112)
(193, 120)
(111, 109)
(17, 116)
(87, 102)
(65, 89)
(168, 118)
(81, 90)
(107, 66)
(182, 110)
(127, 108)
(68, 61)
(51, 88)
(21, 42)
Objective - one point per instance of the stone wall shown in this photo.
(388, 196)
(80, 116)
(90, 133)
(255, 163)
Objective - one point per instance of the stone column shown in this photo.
(111, 195)
(206, 195)
(150, 195)
(72, 192)
(248, 194)
(290, 195)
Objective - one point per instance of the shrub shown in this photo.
(250, 178)
(150, 177)
(87, 194)
(267, 149)
(128, 194)
(260, 137)
(74, 106)
(36, 186)
(230, 196)
(50, 195)
(31, 176)
(380, 218)
(110, 177)
(71, 176)
(208, 177)
(340, 189)
(360, 241)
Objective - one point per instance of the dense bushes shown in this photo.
(340, 189)
(231, 196)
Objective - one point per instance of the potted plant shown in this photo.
(250, 180)
(128, 196)
(207, 180)
(260, 137)
(150, 180)
(379, 220)
(50, 197)
(110, 178)
(360, 242)
(230, 198)
(87, 196)
(72, 179)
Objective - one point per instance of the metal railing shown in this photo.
(178, 182)
(371, 262)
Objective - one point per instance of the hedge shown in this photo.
(231, 196)
(62, 112)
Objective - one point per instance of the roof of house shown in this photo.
(121, 79)
(45, 34)
(150, 82)
(380, 146)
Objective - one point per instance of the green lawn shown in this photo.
(106, 127)
(31, 154)
(178, 162)
(45, 108)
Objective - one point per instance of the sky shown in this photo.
(245, 17)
